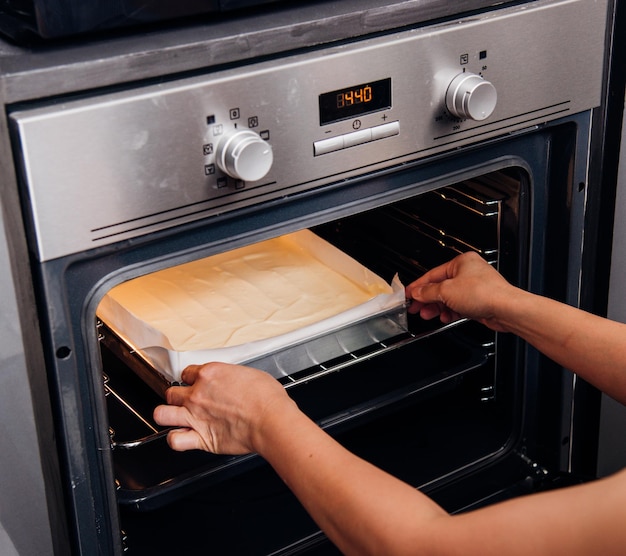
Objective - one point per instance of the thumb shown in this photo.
(426, 293)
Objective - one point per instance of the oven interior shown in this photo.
(430, 403)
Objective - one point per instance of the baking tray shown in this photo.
(292, 364)
(380, 317)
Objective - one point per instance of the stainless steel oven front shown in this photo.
(401, 149)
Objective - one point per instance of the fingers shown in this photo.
(429, 311)
(427, 288)
(435, 275)
(171, 416)
(184, 439)
(427, 300)
(422, 295)
(217, 408)
(176, 395)
(190, 373)
(447, 316)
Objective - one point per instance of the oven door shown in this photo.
(464, 414)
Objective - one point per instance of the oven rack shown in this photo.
(152, 432)
(135, 411)
(359, 356)
(412, 236)
(477, 196)
(446, 240)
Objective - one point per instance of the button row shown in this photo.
(356, 138)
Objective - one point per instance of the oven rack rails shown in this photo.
(138, 409)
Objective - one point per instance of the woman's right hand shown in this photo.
(467, 286)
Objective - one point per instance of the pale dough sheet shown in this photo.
(243, 303)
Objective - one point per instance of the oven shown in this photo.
(400, 148)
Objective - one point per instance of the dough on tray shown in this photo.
(252, 293)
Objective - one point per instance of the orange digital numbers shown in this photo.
(351, 102)
(354, 96)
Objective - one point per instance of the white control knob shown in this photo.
(471, 96)
(243, 155)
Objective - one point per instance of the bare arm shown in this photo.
(591, 346)
(229, 409)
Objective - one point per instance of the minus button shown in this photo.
(328, 145)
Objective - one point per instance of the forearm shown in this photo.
(365, 511)
(592, 347)
(230, 409)
(362, 509)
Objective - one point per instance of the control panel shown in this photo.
(109, 167)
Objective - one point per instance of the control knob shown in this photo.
(470, 96)
(242, 154)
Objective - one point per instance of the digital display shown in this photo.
(355, 101)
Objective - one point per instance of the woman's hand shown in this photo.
(223, 409)
(466, 286)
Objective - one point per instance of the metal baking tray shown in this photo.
(320, 352)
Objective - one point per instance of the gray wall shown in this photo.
(24, 518)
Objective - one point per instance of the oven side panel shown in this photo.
(612, 449)
(31, 506)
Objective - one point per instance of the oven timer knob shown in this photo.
(244, 155)
(469, 96)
